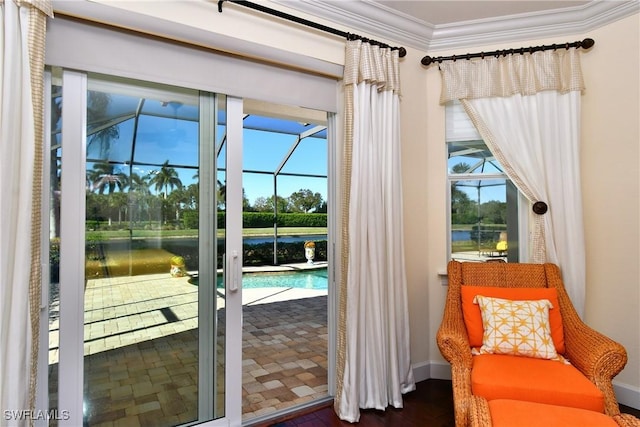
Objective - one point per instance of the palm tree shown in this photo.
(99, 131)
(166, 178)
(139, 184)
(463, 210)
(119, 201)
(105, 175)
(221, 197)
(139, 194)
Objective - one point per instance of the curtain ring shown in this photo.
(454, 58)
(540, 208)
(567, 46)
(481, 55)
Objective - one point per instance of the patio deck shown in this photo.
(141, 350)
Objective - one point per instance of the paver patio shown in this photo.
(141, 350)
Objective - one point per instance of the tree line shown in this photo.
(464, 210)
(113, 195)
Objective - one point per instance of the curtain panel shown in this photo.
(527, 109)
(22, 40)
(373, 360)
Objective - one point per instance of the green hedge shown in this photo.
(302, 220)
(262, 254)
(253, 255)
(189, 220)
(262, 219)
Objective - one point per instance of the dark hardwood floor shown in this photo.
(430, 405)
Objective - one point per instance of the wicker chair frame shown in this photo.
(598, 357)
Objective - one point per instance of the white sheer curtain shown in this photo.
(374, 367)
(527, 109)
(22, 33)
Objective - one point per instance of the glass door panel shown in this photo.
(285, 284)
(153, 340)
(140, 304)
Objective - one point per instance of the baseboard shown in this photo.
(421, 371)
(626, 394)
(431, 370)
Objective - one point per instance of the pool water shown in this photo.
(304, 279)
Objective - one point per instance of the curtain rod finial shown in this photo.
(402, 52)
(587, 43)
(427, 60)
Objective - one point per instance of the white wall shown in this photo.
(611, 181)
(611, 187)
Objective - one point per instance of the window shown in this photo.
(483, 214)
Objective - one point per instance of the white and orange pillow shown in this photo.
(473, 318)
(519, 328)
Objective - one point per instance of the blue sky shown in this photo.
(490, 189)
(162, 139)
(266, 151)
(142, 133)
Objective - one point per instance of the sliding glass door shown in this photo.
(134, 298)
(150, 226)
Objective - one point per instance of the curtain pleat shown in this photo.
(527, 109)
(373, 361)
(22, 38)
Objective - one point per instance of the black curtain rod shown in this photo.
(402, 52)
(585, 44)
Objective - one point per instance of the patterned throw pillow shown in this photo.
(519, 328)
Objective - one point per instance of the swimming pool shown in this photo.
(304, 279)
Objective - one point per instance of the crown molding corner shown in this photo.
(530, 26)
(390, 25)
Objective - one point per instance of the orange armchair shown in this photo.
(595, 356)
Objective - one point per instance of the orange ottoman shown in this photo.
(512, 413)
(500, 376)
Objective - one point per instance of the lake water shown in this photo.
(460, 235)
(283, 239)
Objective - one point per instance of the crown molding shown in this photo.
(571, 21)
(393, 27)
(372, 19)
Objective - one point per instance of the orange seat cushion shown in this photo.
(509, 413)
(473, 317)
(497, 376)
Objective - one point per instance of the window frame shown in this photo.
(517, 216)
